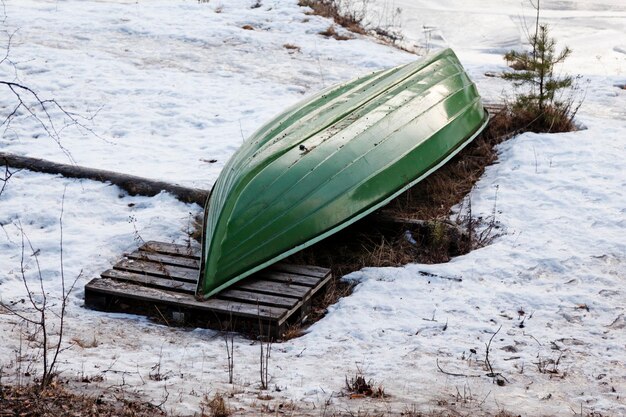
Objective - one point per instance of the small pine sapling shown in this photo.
(542, 106)
(536, 70)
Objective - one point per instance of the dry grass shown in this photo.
(56, 401)
(292, 332)
(330, 9)
(351, 15)
(359, 387)
(433, 197)
(291, 47)
(215, 407)
(196, 227)
(330, 32)
(552, 119)
(412, 411)
(84, 343)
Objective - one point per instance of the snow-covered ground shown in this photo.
(176, 84)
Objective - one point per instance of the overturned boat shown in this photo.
(333, 159)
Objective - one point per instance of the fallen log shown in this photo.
(130, 183)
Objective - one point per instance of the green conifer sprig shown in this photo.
(536, 70)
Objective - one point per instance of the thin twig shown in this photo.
(7, 176)
(534, 338)
(44, 310)
(453, 374)
(44, 107)
(167, 323)
(491, 373)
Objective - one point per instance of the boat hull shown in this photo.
(333, 159)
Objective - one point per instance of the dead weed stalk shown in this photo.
(215, 407)
(43, 319)
(360, 387)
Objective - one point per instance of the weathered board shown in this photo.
(159, 279)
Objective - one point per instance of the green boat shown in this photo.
(333, 159)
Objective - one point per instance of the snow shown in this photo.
(173, 86)
(176, 84)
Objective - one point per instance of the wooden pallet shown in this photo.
(160, 279)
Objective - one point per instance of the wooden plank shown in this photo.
(150, 281)
(322, 283)
(158, 270)
(494, 107)
(153, 295)
(256, 298)
(303, 306)
(166, 274)
(175, 250)
(273, 288)
(287, 278)
(165, 259)
(312, 271)
(170, 249)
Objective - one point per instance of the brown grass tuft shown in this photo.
(291, 47)
(216, 407)
(330, 9)
(293, 331)
(553, 119)
(359, 387)
(330, 32)
(86, 344)
(196, 227)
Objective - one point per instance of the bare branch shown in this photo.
(64, 294)
(24, 93)
(487, 352)
(7, 52)
(23, 268)
(46, 123)
(47, 313)
(4, 11)
(7, 176)
(19, 315)
(10, 116)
